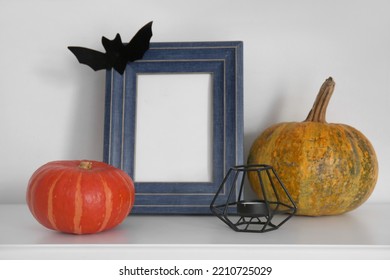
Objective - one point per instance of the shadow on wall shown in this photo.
(271, 117)
(87, 126)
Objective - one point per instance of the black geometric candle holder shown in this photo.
(272, 209)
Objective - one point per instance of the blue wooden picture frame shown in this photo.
(224, 61)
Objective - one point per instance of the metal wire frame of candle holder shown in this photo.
(261, 215)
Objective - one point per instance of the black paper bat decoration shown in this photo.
(117, 54)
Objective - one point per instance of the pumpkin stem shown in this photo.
(85, 165)
(318, 112)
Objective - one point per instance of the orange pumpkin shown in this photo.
(328, 168)
(80, 196)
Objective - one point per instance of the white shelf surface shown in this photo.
(360, 234)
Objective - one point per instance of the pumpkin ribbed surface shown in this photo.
(80, 196)
(328, 168)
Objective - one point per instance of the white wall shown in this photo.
(51, 107)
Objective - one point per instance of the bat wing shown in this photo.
(139, 44)
(94, 59)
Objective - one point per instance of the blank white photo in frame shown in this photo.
(174, 118)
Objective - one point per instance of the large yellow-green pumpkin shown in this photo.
(328, 168)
